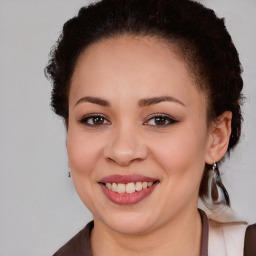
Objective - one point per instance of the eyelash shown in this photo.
(85, 120)
(166, 118)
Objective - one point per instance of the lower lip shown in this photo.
(126, 198)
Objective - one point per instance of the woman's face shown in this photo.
(136, 118)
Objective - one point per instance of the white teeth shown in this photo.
(129, 187)
(138, 186)
(120, 188)
(109, 186)
(150, 184)
(114, 187)
(144, 185)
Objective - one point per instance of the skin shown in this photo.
(123, 71)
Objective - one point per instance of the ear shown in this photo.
(219, 135)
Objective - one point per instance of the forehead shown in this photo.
(129, 48)
(142, 64)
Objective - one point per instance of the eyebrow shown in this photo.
(94, 100)
(155, 100)
(141, 103)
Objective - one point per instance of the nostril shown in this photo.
(122, 156)
(125, 147)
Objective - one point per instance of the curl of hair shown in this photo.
(199, 36)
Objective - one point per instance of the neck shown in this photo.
(181, 236)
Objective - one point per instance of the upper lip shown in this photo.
(126, 179)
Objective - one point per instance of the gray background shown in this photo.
(39, 208)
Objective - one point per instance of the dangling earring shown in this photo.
(214, 188)
(217, 191)
(69, 174)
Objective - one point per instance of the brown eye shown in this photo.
(160, 120)
(97, 120)
(94, 120)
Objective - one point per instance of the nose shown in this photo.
(125, 146)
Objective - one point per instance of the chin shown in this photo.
(130, 227)
(129, 223)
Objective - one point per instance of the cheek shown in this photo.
(182, 161)
(83, 152)
(182, 154)
(83, 155)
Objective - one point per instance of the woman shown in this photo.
(150, 92)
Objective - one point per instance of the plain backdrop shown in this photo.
(39, 208)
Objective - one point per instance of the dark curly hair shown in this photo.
(196, 33)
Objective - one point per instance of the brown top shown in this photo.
(250, 241)
(79, 245)
(205, 232)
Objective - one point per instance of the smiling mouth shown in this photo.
(129, 188)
